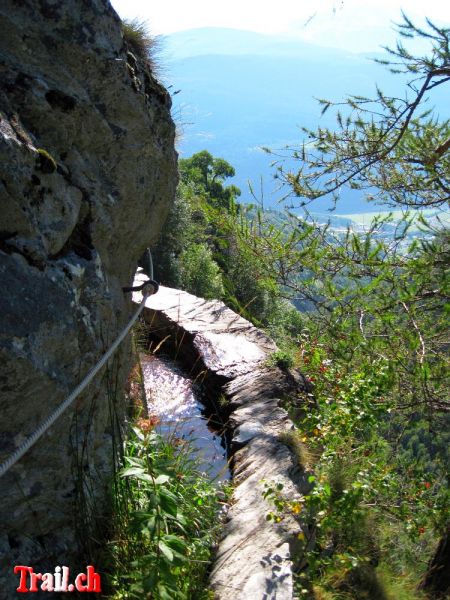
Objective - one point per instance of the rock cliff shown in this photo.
(87, 174)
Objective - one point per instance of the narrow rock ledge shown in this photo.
(254, 557)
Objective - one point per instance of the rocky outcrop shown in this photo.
(436, 581)
(87, 174)
(255, 556)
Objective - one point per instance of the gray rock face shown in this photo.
(255, 557)
(87, 174)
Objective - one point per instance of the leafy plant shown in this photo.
(199, 273)
(281, 359)
(166, 515)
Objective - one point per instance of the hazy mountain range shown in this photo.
(235, 91)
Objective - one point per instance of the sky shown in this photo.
(354, 25)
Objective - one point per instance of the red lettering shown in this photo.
(94, 583)
(34, 578)
(23, 577)
(79, 583)
(92, 580)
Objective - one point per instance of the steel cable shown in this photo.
(148, 288)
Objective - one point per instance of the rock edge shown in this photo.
(254, 557)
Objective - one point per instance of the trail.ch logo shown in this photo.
(57, 581)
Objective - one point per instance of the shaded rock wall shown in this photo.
(87, 174)
(256, 557)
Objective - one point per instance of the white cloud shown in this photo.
(353, 24)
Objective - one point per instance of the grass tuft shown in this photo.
(293, 441)
(141, 42)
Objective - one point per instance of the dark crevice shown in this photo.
(10, 249)
(13, 542)
(79, 242)
(23, 81)
(117, 131)
(50, 11)
(4, 236)
(58, 99)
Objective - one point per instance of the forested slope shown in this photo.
(374, 340)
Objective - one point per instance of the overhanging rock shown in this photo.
(255, 557)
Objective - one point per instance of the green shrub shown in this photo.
(200, 274)
(281, 359)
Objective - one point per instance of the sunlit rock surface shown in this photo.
(173, 403)
(228, 344)
(254, 558)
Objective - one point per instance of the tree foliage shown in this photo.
(371, 332)
(375, 337)
(203, 246)
(393, 147)
(208, 174)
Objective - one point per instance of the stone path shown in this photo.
(253, 560)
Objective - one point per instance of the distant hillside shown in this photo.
(242, 90)
(237, 42)
(360, 222)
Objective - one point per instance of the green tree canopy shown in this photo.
(209, 174)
